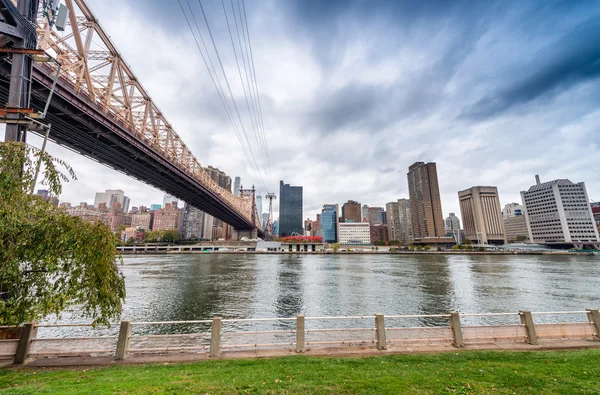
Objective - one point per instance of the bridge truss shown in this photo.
(93, 69)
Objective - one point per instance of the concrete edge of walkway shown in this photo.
(329, 352)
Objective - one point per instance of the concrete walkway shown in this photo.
(87, 361)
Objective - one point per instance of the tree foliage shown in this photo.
(49, 260)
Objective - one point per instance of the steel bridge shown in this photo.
(101, 110)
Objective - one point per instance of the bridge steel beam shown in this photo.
(78, 124)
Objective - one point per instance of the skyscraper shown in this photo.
(168, 198)
(111, 196)
(351, 211)
(375, 215)
(452, 223)
(236, 186)
(193, 222)
(365, 213)
(559, 212)
(482, 215)
(329, 223)
(426, 205)
(399, 221)
(290, 209)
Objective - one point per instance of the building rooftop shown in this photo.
(549, 184)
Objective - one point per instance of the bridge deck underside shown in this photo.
(80, 125)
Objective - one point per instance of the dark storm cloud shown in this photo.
(573, 59)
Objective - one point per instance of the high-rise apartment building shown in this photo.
(399, 221)
(168, 198)
(379, 233)
(192, 223)
(559, 212)
(236, 186)
(365, 213)
(330, 223)
(452, 223)
(482, 215)
(375, 215)
(426, 205)
(290, 209)
(142, 219)
(351, 211)
(111, 196)
(167, 218)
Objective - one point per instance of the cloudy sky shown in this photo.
(354, 92)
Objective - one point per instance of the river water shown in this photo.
(201, 286)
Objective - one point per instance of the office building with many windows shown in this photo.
(330, 223)
(290, 210)
(558, 213)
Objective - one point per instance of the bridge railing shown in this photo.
(272, 336)
(92, 65)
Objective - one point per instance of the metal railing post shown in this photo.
(380, 332)
(28, 334)
(123, 341)
(527, 320)
(300, 333)
(215, 338)
(456, 327)
(594, 319)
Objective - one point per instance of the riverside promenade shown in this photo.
(350, 336)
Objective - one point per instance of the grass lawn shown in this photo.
(556, 372)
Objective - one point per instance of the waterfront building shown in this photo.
(316, 228)
(351, 211)
(482, 215)
(426, 205)
(379, 233)
(290, 209)
(399, 222)
(512, 210)
(375, 215)
(66, 205)
(355, 233)
(154, 207)
(116, 218)
(111, 196)
(192, 222)
(596, 212)
(516, 229)
(452, 223)
(330, 223)
(167, 218)
(236, 186)
(142, 219)
(558, 212)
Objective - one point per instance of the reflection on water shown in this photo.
(194, 287)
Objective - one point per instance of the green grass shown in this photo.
(557, 372)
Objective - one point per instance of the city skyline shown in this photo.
(451, 104)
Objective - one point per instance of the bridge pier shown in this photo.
(238, 234)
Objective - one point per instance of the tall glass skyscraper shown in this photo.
(329, 223)
(290, 209)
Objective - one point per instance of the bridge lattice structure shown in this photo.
(95, 79)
